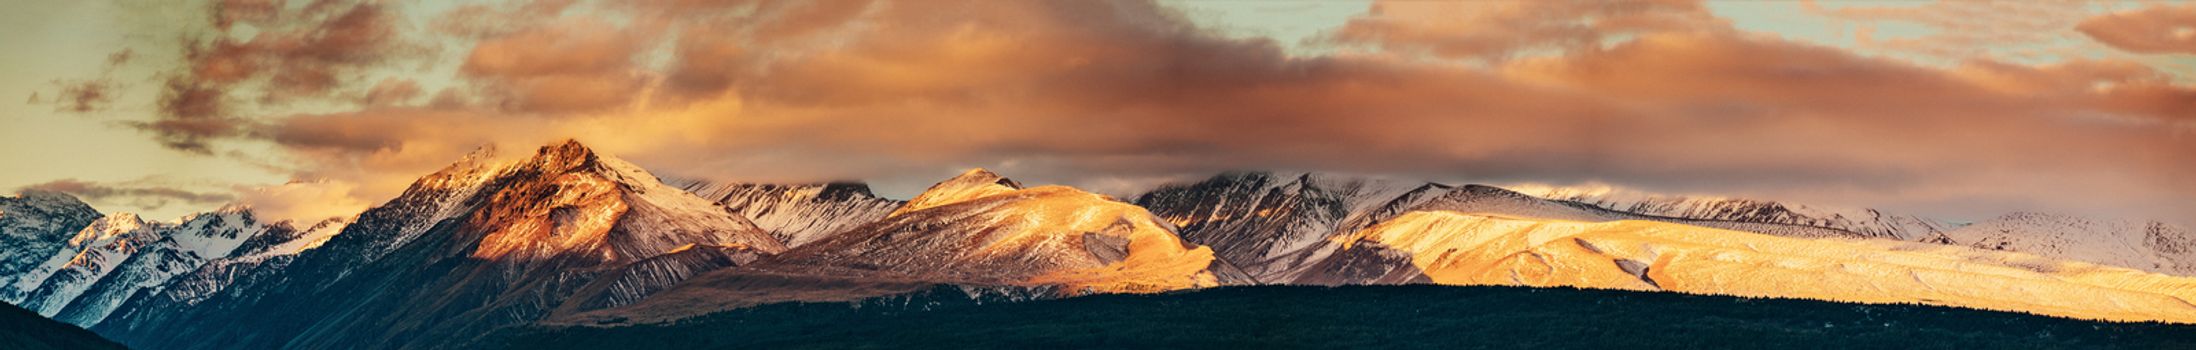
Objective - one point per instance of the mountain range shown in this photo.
(569, 236)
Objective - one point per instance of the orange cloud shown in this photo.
(1496, 29)
(576, 66)
(1659, 95)
(2158, 29)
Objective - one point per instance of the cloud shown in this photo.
(89, 95)
(142, 195)
(391, 92)
(84, 96)
(574, 66)
(1963, 30)
(301, 53)
(192, 114)
(2157, 29)
(1497, 29)
(1656, 95)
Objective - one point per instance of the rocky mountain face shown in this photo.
(797, 214)
(1268, 223)
(266, 251)
(176, 249)
(33, 227)
(475, 246)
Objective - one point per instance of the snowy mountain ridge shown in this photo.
(797, 214)
(570, 235)
(1868, 222)
(2151, 246)
(34, 226)
(118, 256)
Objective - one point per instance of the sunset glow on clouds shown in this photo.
(350, 101)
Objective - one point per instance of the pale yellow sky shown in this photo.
(50, 40)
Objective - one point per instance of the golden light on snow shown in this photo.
(1462, 249)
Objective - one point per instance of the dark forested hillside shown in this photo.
(24, 330)
(1360, 317)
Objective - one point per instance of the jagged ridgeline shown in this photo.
(566, 236)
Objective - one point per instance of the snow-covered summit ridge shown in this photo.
(796, 214)
(567, 198)
(2146, 245)
(1867, 222)
(35, 225)
(972, 184)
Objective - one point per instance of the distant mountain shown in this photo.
(179, 248)
(119, 256)
(24, 330)
(260, 254)
(1866, 222)
(33, 227)
(1459, 248)
(475, 246)
(1276, 225)
(1269, 223)
(2144, 245)
(89, 255)
(976, 229)
(797, 214)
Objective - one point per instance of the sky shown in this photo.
(1961, 110)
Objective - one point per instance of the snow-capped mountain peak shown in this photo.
(568, 198)
(34, 226)
(971, 184)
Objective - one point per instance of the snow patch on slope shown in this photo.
(1461, 249)
(1868, 222)
(797, 214)
(972, 184)
(2150, 246)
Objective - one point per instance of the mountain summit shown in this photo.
(971, 184)
(475, 246)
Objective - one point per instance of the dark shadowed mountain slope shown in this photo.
(22, 329)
